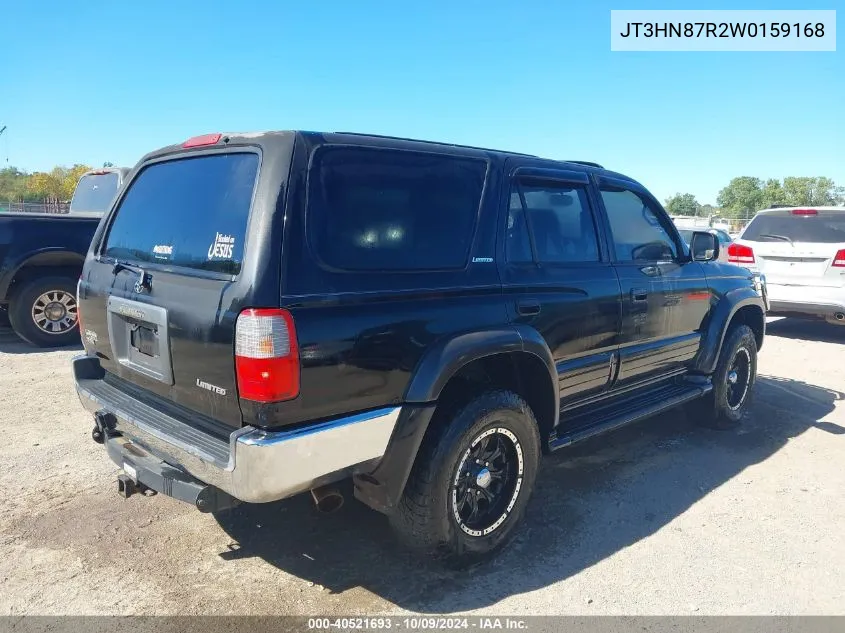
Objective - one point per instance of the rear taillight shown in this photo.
(740, 254)
(839, 259)
(804, 212)
(266, 355)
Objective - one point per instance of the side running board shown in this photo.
(593, 420)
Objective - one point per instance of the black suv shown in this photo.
(267, 314)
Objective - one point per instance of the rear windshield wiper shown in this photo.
(777, 237)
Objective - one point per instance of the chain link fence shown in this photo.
(35, 207)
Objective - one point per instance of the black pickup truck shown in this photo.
(41, 257)
(267, 314)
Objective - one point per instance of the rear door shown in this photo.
(558, 279)
(159, 300)
(797, 247)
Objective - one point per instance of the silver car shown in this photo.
(801, 254)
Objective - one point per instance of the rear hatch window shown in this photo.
(187, 213)
(796, 249)
(95, 193)
(821, 228)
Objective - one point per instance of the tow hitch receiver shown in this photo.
(125, 486)
(147, 474)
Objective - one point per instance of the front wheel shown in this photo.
(472, 479)
(733, 382)
(43, 312)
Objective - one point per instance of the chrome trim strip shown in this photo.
(258, 437)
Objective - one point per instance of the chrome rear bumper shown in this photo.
(253, 465)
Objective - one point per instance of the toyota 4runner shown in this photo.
(267, 314)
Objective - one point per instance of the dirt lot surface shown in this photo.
(658, 518)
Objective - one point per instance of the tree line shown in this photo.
(740, 199)
(745, 195)
(56, 185)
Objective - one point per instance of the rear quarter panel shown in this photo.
(361, 335)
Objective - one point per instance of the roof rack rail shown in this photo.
(584, 162)
(418, 140)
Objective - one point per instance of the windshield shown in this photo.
(823, 228)
(190, 213)
(94, 193)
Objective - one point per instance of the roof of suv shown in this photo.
(389, 141)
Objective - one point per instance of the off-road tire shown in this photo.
(716, 409)
(425, 517)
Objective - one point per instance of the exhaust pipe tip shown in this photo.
(839, 316)
(327, 499)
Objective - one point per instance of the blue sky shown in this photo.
(93, 81)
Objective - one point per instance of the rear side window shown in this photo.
(561, 224)
(94, 193)
(189, 213)
(824, 228)
(384, 210)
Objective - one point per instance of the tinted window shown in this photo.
(190, 213)
(722, 236)
(824, 228)
(94, 192)
(638, 234)
(560, 221)
(390, 210)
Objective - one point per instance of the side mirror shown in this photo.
(704, 246)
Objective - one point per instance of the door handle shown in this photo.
(528, 308)
(639, 294)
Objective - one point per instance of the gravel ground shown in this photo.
(658, 518)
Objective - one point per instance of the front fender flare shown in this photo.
(717, 326)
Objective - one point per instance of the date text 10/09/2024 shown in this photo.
(417, 623)
(722, 29)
